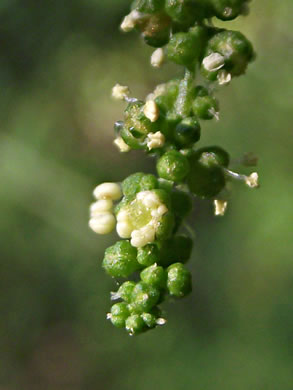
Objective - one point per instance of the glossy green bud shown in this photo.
(148, 255)
(144, 297)
(205, 107)
(176, 249)
(120, 259)
(125, 291)
(187, 132)
(205, 179)
(210, 156)
(179, 280)
(119, 314)
(166, 226)
(166, 99)
(148, 6)
(149, 319)
(156, 32)
(173, 166)
(181, 203)
(185, 48)
(228, 9)
(138, 182)
(186, 12)
(154, 275)
(135, 324)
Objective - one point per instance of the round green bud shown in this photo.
(184, 48)
(173, 166)
(125, 290)
(135, 324)
(148, 6)
(181, 203)
(149, 319)
(187, 132)
(228, 9)
(144, 298)
(138, 182)
(166, 226)
(154, 275)
(156, 32)
(120, 259)
(148, 255)
(186, 12)
(213, 156)
(179, 280)
(203, 181)
(119, 314)
(177, 249)
(205, 107)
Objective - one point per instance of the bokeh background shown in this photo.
(58, 63)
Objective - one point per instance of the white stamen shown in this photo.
(220, 207)
(157, 58)
(122, 146)
(252, 180)
(161, 321)
(213, 62)
(108, 191)
(224, 77)
(151, 111)
(124, 229)
(155, 140)
(120, 92)
(131, 20)
(101, 205)
(102, 223)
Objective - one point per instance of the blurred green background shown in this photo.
(58, 63)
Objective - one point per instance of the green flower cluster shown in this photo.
(150, 210)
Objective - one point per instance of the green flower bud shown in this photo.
(149, 319)
(148, 6)
(228, 9)
(120, 259)
(205, 107)
(176, 249)
(179, 280)
(156, 32)
(213, 156)
(228, 51)
(181, 203)
(144, 298)
(187, 132)
(138, 182)
(186, 12)
(125, 291)
(185, 48)
(173, 166)
(135, 324)
(154, 275)
(206, 178)
(165, 228)
(148, 255)
(119, 314)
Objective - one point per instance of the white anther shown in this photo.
(220, 207)
(227, 12)
(109, 316)
(102, 223)
(162, 210)
(120, 92)
(213, 62)
(224, 77)
(151, 110)
(108, 191)
(143, 236)
(161, 321)
(122, 216)
(157, 58)
(214, 113)
(124, 229)
(100, 206)
(252, 180)
(131, 20)
(149, 199)
(121, 145)
(155, 140)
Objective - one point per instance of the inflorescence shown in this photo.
(148, 211)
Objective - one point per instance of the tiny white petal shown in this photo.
(130, 20)
(102, 223)
(220, 207)
(224, 77)
(122, 216)
(252, 180)
(120, 92)
(155, 140)
(151, 110)
(108, 191)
